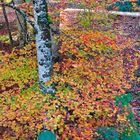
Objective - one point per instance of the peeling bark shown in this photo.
(43, 44)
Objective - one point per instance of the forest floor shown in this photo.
(130, 31)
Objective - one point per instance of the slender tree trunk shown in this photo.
(7, 23)
(22, 25)
(43, 44)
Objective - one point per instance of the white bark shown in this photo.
(43, 43)
(133, 14)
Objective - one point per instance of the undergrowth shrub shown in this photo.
(89, 79)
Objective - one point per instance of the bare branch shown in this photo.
(25, 15)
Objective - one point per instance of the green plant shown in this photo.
(107, 133)
(4, 39)
(124, 99)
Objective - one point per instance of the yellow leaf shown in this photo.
(7, 1)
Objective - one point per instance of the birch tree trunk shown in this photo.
(43, 44)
